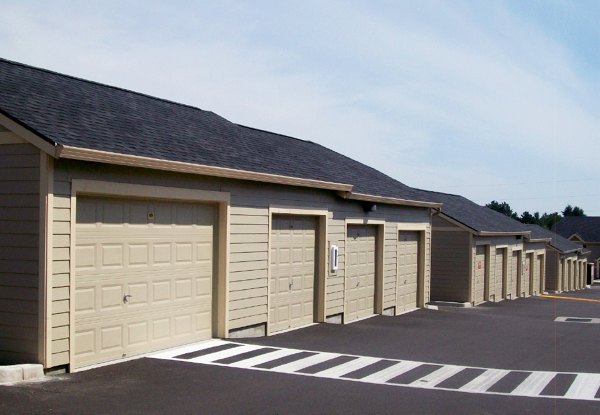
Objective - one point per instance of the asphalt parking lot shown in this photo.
(513, 335)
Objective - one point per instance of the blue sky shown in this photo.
(488, 99)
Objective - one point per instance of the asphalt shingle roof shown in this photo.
(587, 227)
(476, 217)
(78, 113)
(558, 242)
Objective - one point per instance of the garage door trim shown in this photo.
(112, 189)
(322, 257)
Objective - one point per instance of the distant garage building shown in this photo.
(132, 224)
(477, 254)
(584, 230)
(561, 254)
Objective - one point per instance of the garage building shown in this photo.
(584, 230)
(131, 224)
(477, 254)
(560, 252)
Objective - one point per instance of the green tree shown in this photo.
(549, 219)
(573, 211)
(527, 217)
(503, 208)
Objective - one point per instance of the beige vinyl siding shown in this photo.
(450, 256)
(60, 282)
(19, 251)
(248, 238)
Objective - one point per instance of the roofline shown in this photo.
(481, 233)
(520, 233)
(576, 235)
(77, 153)
(31, 136)
(388, 200)
(457, 223)
(535, 240)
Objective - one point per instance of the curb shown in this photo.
(19, 373)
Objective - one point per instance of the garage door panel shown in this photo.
(407, 271)
(158, 255)
(526, 279)
(360, 272)
(293, 246)
(499, 274)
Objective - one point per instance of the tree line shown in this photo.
(545, 220)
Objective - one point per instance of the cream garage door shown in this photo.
(538, 287)
(143, 277)
(360, 272)
(479, 275)
(293, 247)
(499, 274)
(514, 277)
(407, 285)
(527, 275)
(564, 274)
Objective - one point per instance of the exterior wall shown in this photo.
(249, 229)
(449, 262)
(454, 263)
(594, 248)
(19, 250)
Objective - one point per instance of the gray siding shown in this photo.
(19, 251)
(450, 256)
(248, 239)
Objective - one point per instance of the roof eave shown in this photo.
(83, 154)
(28, 134)
(536, 240)
(458, 223)
(494, 233)
(388, 200)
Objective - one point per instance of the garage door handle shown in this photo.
(357, 284)
(126, 298)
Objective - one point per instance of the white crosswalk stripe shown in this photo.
(534, 384)
(223, 354)
(304, 363)
(348, 367)
(485, 381)
(584, 386)
(437, 377)
(391, 372)
(267, 357)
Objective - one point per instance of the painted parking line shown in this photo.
(560, 297)
(391, 372)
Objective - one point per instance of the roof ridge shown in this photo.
(328, 149)
(272, 132)
(108, 86)
(444, 193)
